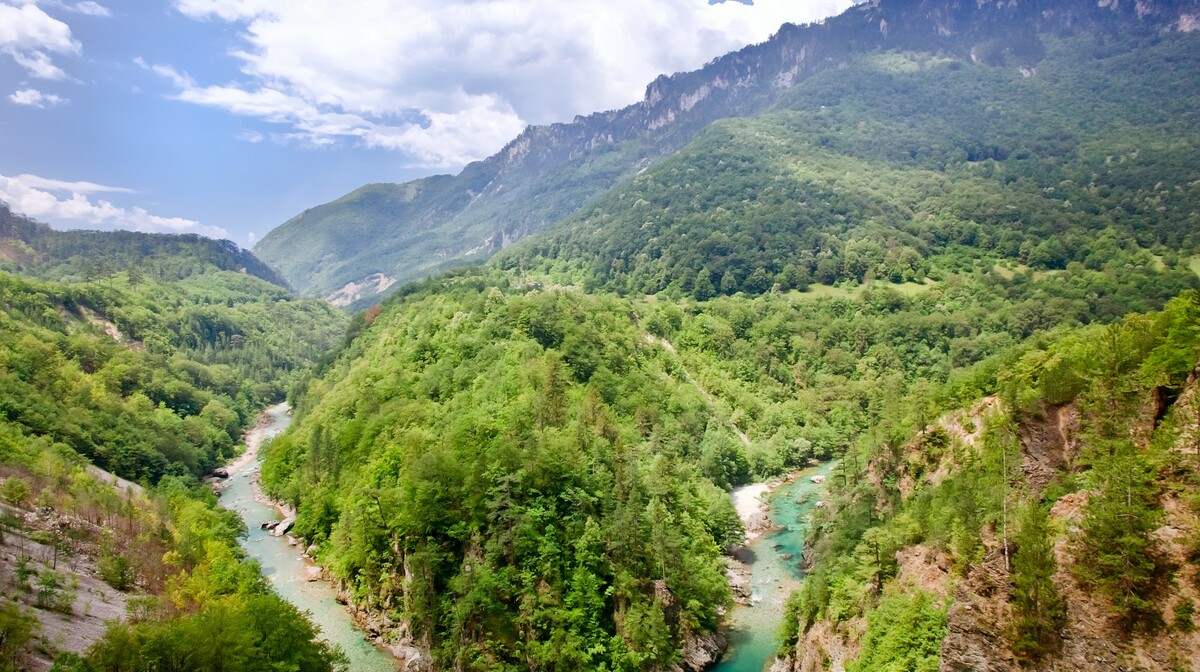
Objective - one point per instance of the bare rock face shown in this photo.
(974, 637)
(700, 651)
(738, 576)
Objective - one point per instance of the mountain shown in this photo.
(119, 393)
(1050, 525)
(899, 163)
(33, 248)
(382, 234)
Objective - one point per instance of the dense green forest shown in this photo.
(970, 277)
(524, 465)
(902, 166)
(510, 473)
(154, 378)
(457, 464)
(146, 378)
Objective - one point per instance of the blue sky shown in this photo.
(227, 117)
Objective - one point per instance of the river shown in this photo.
(752, 628)
(282, 564)
(774, 572)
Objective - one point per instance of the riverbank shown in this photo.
(766, 569)
(290, 572)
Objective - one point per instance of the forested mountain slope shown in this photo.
(153, 380)
(904, 162)
(363, 243)
(488, 465)
(505, 474)
(34, 249)
(1052, 526)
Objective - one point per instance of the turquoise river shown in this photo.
(774, 560)
(283, 565)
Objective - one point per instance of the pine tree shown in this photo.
(1115, 550)
(1038, 610)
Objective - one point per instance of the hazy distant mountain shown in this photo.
(37, 250)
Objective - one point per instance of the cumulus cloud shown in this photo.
(447, 81)
(35, 98)
(64, 202)
(29, 35)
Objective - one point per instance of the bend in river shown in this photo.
(282, 564)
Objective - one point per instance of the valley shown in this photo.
(874, 346)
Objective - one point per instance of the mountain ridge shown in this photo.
(548, 172)
(37, 249)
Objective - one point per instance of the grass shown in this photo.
(855, 291)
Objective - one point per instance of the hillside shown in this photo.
(381, 234)
(153, 381)
(901, 163)
(487, 466)
(522, 465)
(1054, 525)
(34, 249)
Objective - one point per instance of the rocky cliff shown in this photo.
(978, 596)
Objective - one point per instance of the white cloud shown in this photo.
(447, 81)
(35, 98)
(39, 197)
(89, 8)
(27, 33)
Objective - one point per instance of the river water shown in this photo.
(283, 565)
(774, 572)
(774, 565)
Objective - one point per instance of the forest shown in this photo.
(489, 461)
(971, 282)
(153, 380)
(905, 166)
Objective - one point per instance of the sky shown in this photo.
(228, 117)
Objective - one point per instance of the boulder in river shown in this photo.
(221, 472)
(283, 527)
(818, 479)
(269, 525)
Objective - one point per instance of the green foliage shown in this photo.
(262, 632)
(904, 634)
(875, 172)
(17, 628)
(516, 475)
(1115, 548)
(1185, 610)
(1039, 612)
(115, 569)
(53, 593)
(173, 395)
(91, 256)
